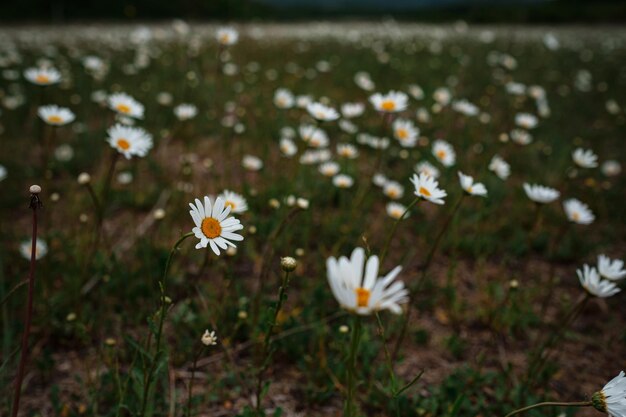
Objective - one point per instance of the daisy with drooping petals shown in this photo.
(427, 187)
(236, 202)
(585, 158)
(611, 269)
(591, 281)
(357, 287)
(129, 141)
(55, 115)
(444, 152)
(540, 194)
(125, 105)
(406, 132)
(42, 76)
(322, 112)
(213, 225)
(578, 212)
(500, 167)
(471, 187)
(343, 181)
(612, 398)
(392, 102)
(227, 36)
(185, 111)
(396, 210)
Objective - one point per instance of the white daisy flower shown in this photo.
(287, 147)
(611, 168)
(343, 181)
(444, 152)
(427, 168)
(521, 137)
(591, 281)
(612, 398)
(392, 102)
(129, 141)
(308, 132)
(283, 98)
(227, 36)
(185, 111)
(396, 210)
(442, 96)
(42, 76)
(252, 163)
(55, 115)
(214, 227)
(209, 338)
(405, 132)
(351, 110)
(379, 179)
(471, 187)
(347, 150)
(578, 212)
(357, 287)
(500, 167)
(540, 193)
(125, 105)
(465, 107)
(526, 120)
(329, 169)
(416, 91)
(427, 187)
(40, 251)
(393, 190)
(364, 81)
(322, 112)
(611, 269)
(348, 127)
(303, 100)
(236, 202)
(585, 158)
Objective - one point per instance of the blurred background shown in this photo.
(477, 11)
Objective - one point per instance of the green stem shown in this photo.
(350, 406)
(550, 404)
(394, 228)
(193, 375)
(392, 374)
(159, 334)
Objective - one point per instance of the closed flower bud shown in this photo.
(288, 263)
(84, 178)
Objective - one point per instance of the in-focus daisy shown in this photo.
(471, 187)
(55, 115)
(125, 105)
(612, 398)
(526, 120)
(591, 281)
(329, 169)
(185, 111)
(343, 181)
(357, 287)
(350, 110)
(611, 269)
(540, 193)
(444, 152)
(42, 76)
(236, 202)
(347, 150)
(406, 132)
(283, 98)
(585, 158)
(214, 227)
(427, 168)
(41, 249)
(396, 210)
(322, 112)
(227, 36)
(393, 101)
(252, 163)
(129, 141)
(578, 212)
(428, 188)
(500, 167)
(393, 190)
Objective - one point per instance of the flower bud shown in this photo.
(288, 263)
(84, 178)
(209, 338)
(35, 189)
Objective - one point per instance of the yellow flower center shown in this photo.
(423, 191)
(123, 144)
(43, 79)
(388, 105)
(393, 193)
(403, 134)
(441, 154)
(123, 108)
(230, 204)
(362, 297)
(576, 216)
(211, 227)
(224, 38)
(55, 119)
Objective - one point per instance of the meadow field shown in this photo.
(312, 219)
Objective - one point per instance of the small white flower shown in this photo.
(347, 150)
(591, 281)
(55, 115)
(470, 187)
(612, 398)
(405, 132)
(611, 269)
(427, 168)
(283, 98)
(444, 152)
(42, 76)
(379, 179)
(129, 141)
(521, 137)
(393, 190)
(322, 112)
(585, 158)
(364, 81)
(329, 169)
(40, 251)
(236, 202)
(252, 163)
(578, 212)
(428, 188)
(396, 210)
(351, 110)
(214, 227)
(343, 181)
(465, 107)
(185, 111)
(526, 120)
(392, 102)
(227, 36)
(611, 168)
(500, 167)
(126, 105)
(442, 96)
(209, 338)
(540, 193)
(3, 172)
(287, 147)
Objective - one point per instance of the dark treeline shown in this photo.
(478, 11)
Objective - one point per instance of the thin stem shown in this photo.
(443, 230)
(193, 375)
(350, 406)
(268, 339)
(394, 228)
(392, 374)
(551, 404)
(159, 333)
(34, 205)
